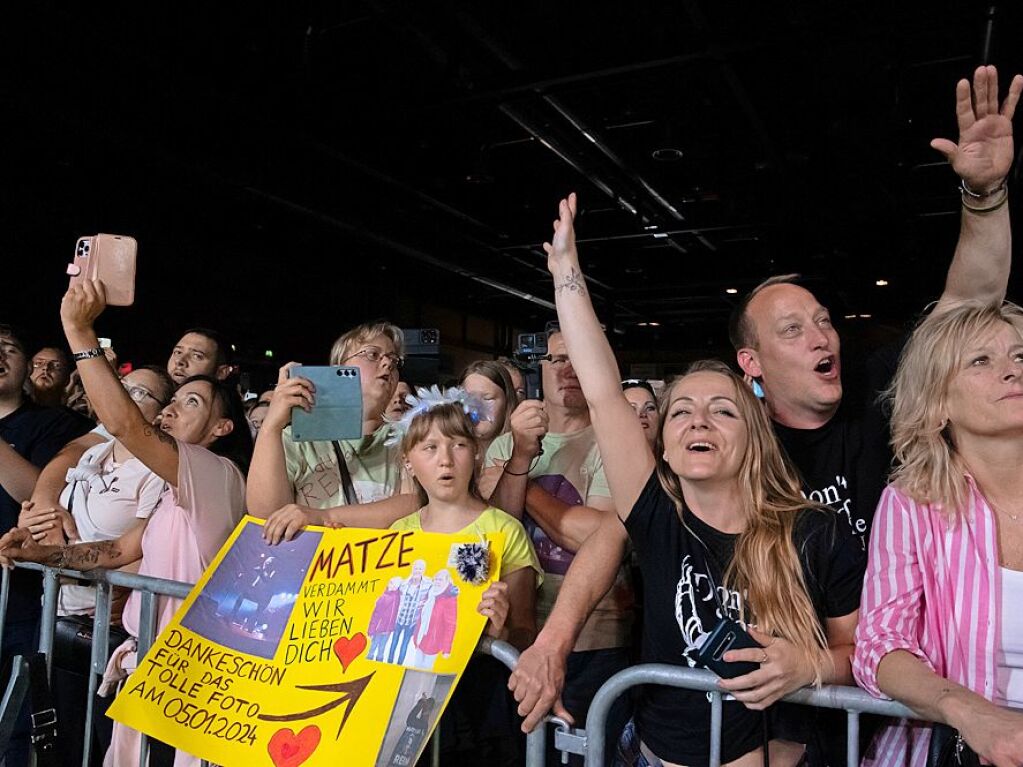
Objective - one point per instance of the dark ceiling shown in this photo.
(292, 168)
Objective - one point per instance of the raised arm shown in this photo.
(628, 461)
(981, 158)
(81, 306)
(268, 487)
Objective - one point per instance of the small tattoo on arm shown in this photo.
(574, 282)
(85, 556)
(160, 434)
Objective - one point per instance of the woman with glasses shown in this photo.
(354, 482)
(106, 494)
(200, 451)
(641, 397)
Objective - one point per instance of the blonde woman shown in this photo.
(940, 628)
(714, 503)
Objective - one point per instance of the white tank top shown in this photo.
(1009, 660)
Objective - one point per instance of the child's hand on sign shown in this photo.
(495, 605)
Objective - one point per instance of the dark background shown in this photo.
(290, 169)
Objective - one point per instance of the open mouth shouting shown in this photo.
(827, 367)
(701, 446)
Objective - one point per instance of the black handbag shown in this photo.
(948, 749)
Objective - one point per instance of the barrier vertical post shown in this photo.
(51, 587)
(715, 729)
(147, 631)
(5, 593)
(97, 661)
(852, 743)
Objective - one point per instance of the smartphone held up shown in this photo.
(110, 258)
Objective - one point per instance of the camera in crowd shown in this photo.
(530, 349)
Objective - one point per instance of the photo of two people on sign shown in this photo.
(414, 619)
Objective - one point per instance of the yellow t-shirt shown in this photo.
(518, 550)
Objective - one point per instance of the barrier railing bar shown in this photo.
(715, 729)
(536, 741)
(97, 660)
(14, 696)
(134, 581)
(48, 620)
(147, 630)
(829, 696)
(852, 735)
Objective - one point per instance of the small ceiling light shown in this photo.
(667, 154)
(642, 324)
(850, 316)
(269, 354)
(731, 291)
(881, 283)
(659, 235)
(864, 316)
(650, 227)
(655, 324)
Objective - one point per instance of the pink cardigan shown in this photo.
(931, 588)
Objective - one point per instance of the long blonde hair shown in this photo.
(928, 467)
(766, 566)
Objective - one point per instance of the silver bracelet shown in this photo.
(965, 190)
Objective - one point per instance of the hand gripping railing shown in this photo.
(851, 699)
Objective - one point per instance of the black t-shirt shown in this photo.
(845, 463)
(36, 433)
(680, 610)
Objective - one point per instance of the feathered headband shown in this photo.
(476, 408)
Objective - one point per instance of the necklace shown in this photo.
(1013, 517)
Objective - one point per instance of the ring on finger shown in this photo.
(765, 659)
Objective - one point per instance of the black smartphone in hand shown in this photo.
(727, 635)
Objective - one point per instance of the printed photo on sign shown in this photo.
(414, 620)
(248, 602)
(420, 701)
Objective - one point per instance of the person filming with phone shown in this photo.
(723, 537)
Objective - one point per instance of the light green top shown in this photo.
(312, 469)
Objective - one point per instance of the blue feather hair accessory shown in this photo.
(427, 399)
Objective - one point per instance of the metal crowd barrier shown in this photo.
(150, 588)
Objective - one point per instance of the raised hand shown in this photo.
(984, 154)
(81, 305)
(289, 393)
(528, 425)
(561, 248)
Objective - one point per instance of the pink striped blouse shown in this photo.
(931, 588)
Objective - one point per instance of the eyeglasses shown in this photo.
(557, 360)
(50, 366)
(139, 394)
(372, 354)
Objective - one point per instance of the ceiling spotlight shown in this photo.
(655, 324)
(667, 154)
(642, 324)
(850, 316)
(731, 291)
(864, 316)
(881, 283)
(659, 235)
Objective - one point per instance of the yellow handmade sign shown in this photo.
(338, 647)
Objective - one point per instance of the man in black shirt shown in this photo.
(784, 338)
(30, 435)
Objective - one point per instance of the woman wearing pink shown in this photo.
(437, 622)
(200, 450)
(940, 627)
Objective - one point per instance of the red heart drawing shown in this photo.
(348, 649)
(289, 750)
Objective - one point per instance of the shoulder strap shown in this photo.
(346, 476)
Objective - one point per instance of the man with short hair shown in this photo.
(51, 371)
(550, 475)
(201, 351)
(30, 435)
